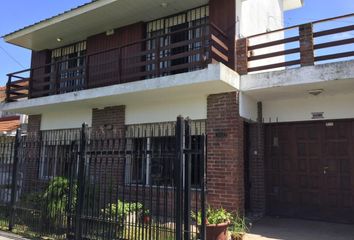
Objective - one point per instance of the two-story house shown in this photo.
(279, 142)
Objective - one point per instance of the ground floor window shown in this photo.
(151, 161)
(58, 153)
(53, 160)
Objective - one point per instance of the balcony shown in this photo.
(314, 43)
(192, 49)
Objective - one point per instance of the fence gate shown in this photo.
(84, 184)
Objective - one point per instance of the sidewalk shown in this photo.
(7, 236)
(295, 229)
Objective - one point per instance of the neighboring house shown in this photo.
(10, 122)
(279, 142)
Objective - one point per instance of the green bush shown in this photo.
(56, 198)
(213, 216)
(238, 226)
(114, 215)
(117, 211)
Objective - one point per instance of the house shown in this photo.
(10, 122)
(279, 139)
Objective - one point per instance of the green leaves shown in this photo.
(238, 226)
(213, 216)
(56, 196)
(217, 216)
(116, 212)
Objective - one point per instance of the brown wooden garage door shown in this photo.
(310, 170)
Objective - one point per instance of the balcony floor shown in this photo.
(217, 78)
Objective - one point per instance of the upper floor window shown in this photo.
(69, 66)
(177, 41)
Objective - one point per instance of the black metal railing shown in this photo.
(82, 184)
(143, 59)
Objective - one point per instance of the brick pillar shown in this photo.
(257, 167)
(242, 56)
(225, 163)
(108, 126)
(34, 124)
(307, 57)
(109, 121)
(31, 154)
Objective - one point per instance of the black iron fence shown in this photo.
(79, 184)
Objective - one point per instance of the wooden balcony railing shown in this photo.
(192, 49)
(300, 45)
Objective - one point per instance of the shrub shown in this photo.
(114, 215)
(238, 226)
(116, 212)
(213, 216)
(56, 198)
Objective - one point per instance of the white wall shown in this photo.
(248, 107)
(260, 16)
(163, 111)
(338, 106)
(140, 112)
(66, 118)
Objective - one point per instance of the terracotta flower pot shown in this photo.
(146, 219)
(216, 231)
(239, 237)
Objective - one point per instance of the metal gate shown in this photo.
(84, 184)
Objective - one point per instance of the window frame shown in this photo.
(147, 166)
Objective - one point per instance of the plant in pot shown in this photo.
(217, 223)
(238, 227)
(146, 217)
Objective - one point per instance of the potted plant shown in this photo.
(238, 227)
(217, 223)
(146, 217)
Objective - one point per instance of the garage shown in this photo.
(309, 169)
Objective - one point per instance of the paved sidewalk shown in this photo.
(294, 229)
(10, 236)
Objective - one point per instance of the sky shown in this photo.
(16, 14)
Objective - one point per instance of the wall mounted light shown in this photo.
(315, 92)
(110, 32)
(59, 39)
(164, 4)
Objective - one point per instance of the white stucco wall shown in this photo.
(163, 111)
(66, 118)
(339, 106)
(143, 112)
(260, 16)
(248, 107)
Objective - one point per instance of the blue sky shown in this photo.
(16, 14)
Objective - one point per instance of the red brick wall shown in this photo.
(108, 124)
(109, 121)
(307, 57)
(225, 163)
(242, 56)
(34, 123)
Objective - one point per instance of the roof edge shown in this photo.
(57, 18)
